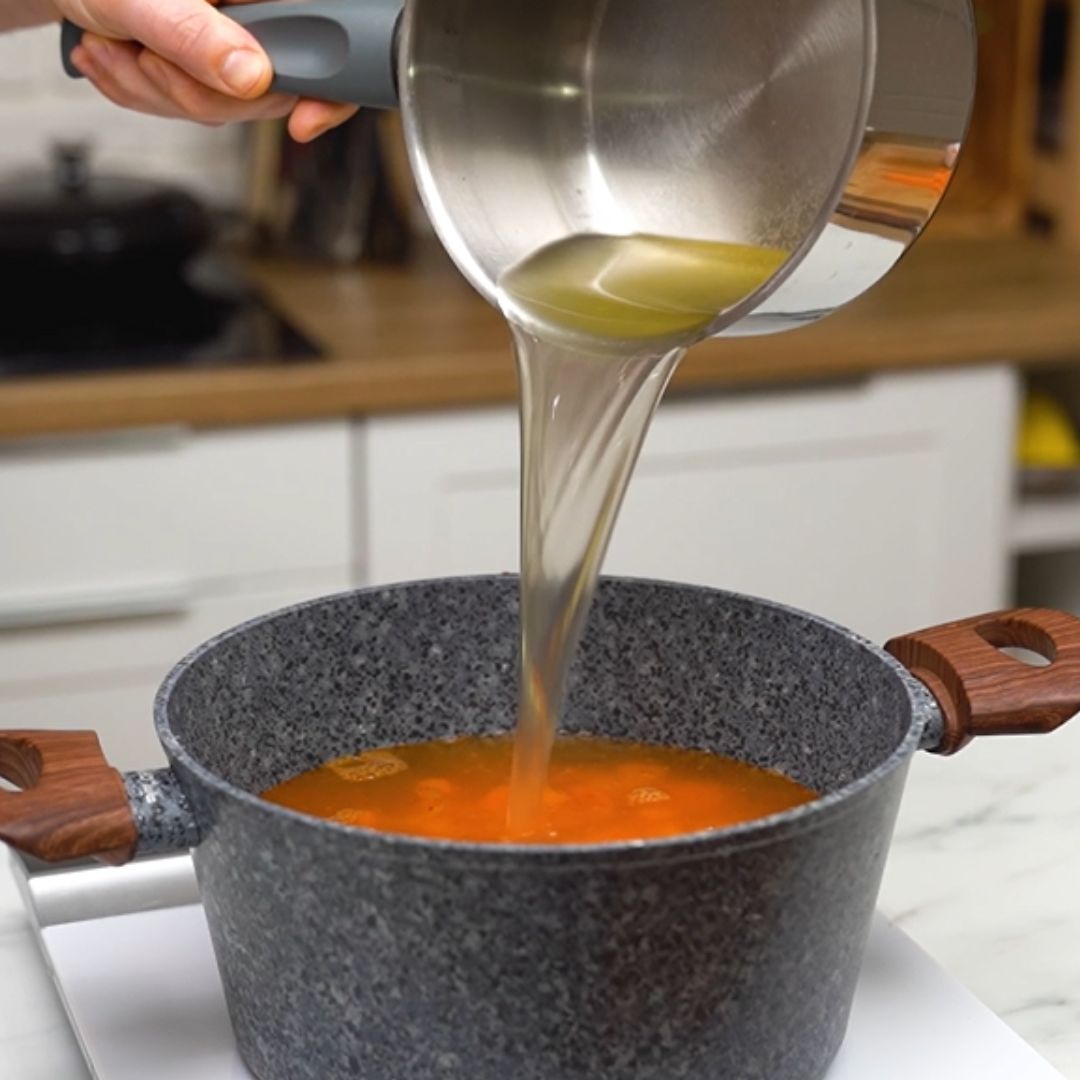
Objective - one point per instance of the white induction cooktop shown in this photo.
(130, 953)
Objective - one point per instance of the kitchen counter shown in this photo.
(419, 338)
(984, 874)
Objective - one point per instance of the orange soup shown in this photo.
(598, 790)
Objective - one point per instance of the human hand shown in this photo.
(183, 58)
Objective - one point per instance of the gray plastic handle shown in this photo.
(334, 50)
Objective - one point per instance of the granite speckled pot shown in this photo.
(728, 955)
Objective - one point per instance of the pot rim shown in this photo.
(681, 847)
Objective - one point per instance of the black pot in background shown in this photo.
(68, 221)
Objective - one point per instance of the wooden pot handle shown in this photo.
(983, 691)
(72, 805)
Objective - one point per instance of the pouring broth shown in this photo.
(597, 791)
(600, 324)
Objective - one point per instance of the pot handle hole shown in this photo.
(70, 803)
(981, 689)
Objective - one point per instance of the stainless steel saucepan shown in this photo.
(827, 128)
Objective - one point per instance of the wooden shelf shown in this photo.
(990, 191)
(1053, 173)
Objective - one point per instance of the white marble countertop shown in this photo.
(984, 874)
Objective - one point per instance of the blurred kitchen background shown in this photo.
(236, 373)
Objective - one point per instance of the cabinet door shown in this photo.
(881, 504)
(144, 522)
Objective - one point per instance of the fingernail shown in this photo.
(243, 70)
(96, 47)
(309, 135)
(83, 60)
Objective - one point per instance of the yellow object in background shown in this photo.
(1047, 438)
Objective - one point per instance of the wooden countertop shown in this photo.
(417, 338)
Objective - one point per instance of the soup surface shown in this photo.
(597, 791)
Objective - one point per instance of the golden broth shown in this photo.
(632, 289)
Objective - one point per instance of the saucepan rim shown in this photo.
(683, 847)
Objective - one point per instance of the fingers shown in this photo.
(191, 34)
(147, 80)
(130, 76)
(115, 73)
(310, 119)
(199, 102)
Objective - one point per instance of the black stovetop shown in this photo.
(208, 316)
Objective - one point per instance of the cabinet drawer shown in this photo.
(136, 523)
(46, 659)
(90, 525)
(122, 716)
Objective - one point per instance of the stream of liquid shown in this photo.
(600, 325)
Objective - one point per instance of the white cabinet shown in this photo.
(882, 504)
(118, 554)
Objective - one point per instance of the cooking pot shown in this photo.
(67, 221)
(727, 954)
(829, 129)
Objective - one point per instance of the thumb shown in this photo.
(200, 40)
